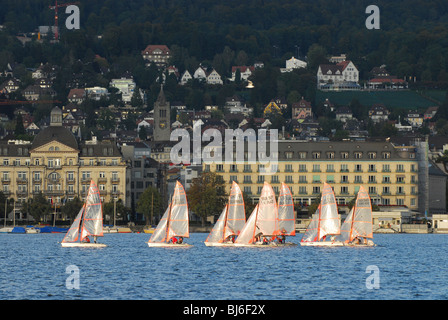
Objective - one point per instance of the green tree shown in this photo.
(118, 209)
(38, 207)
(150, 204)
(206, 195)
(71, 208)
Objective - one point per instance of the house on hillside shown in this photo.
(378, 113)
(245, 72)
(414, 118)
(430, 113)
(343, 114)
(301, 109)
(76, 96)
(186, 76)
(157, 54)
(341, 76)
(292, 64)
(380, 78)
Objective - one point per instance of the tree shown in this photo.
(38, 207)
(118, 209)
(71, 208)
(136, 99)
(206, 195)
(150, 204)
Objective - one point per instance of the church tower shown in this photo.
(162, 124)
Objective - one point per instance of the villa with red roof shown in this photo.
(157, 54)
(341, 76)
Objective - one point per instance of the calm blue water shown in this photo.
(33, 266)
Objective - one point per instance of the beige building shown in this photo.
(388, 172)
(55, 165)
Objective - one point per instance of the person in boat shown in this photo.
(281, 239)
(86, 240)
(94, 239)
(181, 240)
(265, 241)
(173, 240)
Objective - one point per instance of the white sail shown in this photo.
(267, 218)
(359, 222)
(232, 219)
(329, 222)
(286, 214)
(174, 222)
(159, 235)
(236, 216)
(93, 214)
(218, 232)
(178, 225)
(72, 234)
(250, 229)
(310, 234)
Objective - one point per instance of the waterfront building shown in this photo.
(58, 166)
(387, 171)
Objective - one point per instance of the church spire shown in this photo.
(161, 98)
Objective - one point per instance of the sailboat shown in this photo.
(88, 222)
(263, 223)
(358, 227)
(325, 222)
(286, 214)
(174, 224)
(230, 222)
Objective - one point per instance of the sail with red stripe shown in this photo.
(286, 213)
(359, 222)
(175, 220)
(232, 218)
(267, 218)
(89, 221)
(325, 220)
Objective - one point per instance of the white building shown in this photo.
(186, 76)
(245, 72)
(125, 86)
(292, 64)
(341, 76)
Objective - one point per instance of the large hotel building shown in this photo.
(388, 172)
(60, 168)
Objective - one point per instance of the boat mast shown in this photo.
(255, 224)
(168, 218)
(225, 222)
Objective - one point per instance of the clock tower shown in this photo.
(162, 125)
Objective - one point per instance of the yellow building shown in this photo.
(388, 172)
(55, 165)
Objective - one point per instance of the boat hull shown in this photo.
(322, 244)
(82, 245)
(168, 245)
(219, 244)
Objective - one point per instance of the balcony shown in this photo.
(54, 192)
(115, 180)
(22, 180)
(102, 179)
(6, 180)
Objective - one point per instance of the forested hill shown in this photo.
(413, 34)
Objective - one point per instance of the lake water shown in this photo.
(405, 266)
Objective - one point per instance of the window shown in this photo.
(386, 168)
(400, 179)
(302, 167)
(302, 155)
(247, 179)
(386, 190)
(344, 155)
(330, 167)
(400, 168)
(247, 190)
(386, 155)
(344, 179)
(386, 179)
(344, 190)
(115, 176)
(247, 168)
(316, 167)
(358, 179)
(70, 176)
(358, 155)
(260, 179)
(316, 190)
(289, 154)
(219, 168)
(302, 179)
(316, 179)
(316, 155)
(274, 179)
(288, 167)
(288, 179)
(358, 168)
(330, 179)
(302, 190)
(372, 190)
(330, 155)
(372, 179)
(344, 167)
(372, 155)
(372, 168)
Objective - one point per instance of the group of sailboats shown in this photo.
(325, 227)
(268, 225)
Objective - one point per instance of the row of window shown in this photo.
(328, 178)
(70, 188)
(57, 162)
(344, 190)
(54, 176)
(315, 168)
